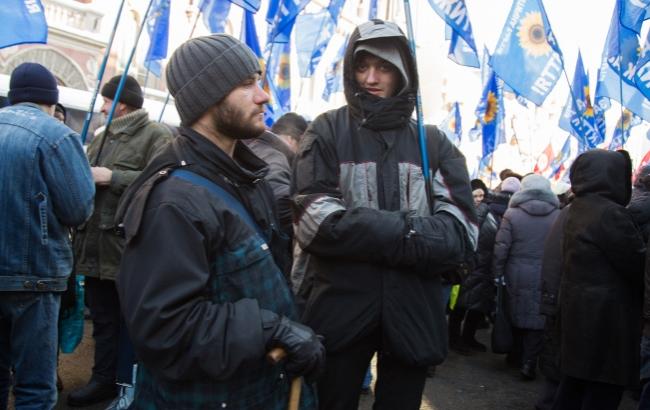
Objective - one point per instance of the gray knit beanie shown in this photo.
(203, 70)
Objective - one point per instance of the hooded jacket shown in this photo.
(363, 221)
(602, 275)
(519, 248)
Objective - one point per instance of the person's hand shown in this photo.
(101, 175)
(305, 351)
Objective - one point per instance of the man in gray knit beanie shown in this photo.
(203, 282)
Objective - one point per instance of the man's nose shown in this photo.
(261, 97)
(372, 77)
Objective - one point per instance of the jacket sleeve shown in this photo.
(70, 183)
(176, 330)
(502, 245)
(121, 179)
(552, 264)
(326, 227)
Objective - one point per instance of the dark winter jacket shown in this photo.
(477, 291)
(132, 141)
(194, 278)
(549, 358)
(602, 280)
(518, 251)
(363, 218)
(498, 203)
(639, 207)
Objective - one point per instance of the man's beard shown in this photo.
(234, 122)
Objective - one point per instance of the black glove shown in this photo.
(434, 244)
(305, 352)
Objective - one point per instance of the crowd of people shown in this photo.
(224, 260)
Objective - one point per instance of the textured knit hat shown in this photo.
(31, 82)
(131, 94)
(203, 70)
(510, 184)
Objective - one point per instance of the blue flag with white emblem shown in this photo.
(334, 73)
(527, 56)
(622, 130)
(578, 113)
(249, 5)
(315, 31)
(277, 82)
(642, 69)
(452, 126)
(158, 29)
(462, 48)
(281, 17)
(621, 48)
(215, 13)
(22, 22)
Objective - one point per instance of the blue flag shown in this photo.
(277, 82)
(462, 49)
(283, 18)
(578, 113)
(215, 13)
(22, 22)
(334, 74)
(622, 130)
(248, 5)
(610, 86)
(158, 29)
(633, 12)
(452, 126)
(557, 165)
(314, 34)
(642, 69)
(491, 114)
(527, 56)
(372, 10)
(621, 48)
(249, 34)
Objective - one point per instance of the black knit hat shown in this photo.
(131, 94)
(31, 82)
(203, 70)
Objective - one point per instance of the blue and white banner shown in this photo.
(334, 74)
(524, 57)
(281, 17)
(452, 126)
(454, 13)
(622, 130)
(611, 86)
(633, 13)
(642, 69)
(23, 21)
(314, 32)
(491, 113)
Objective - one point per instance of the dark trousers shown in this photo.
(398, 386)
(577, 394)
(527, 345)
(469, 319)
(104, 305)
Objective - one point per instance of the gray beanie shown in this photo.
(203, 70)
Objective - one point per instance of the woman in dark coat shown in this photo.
(518, 253)
(601, 290)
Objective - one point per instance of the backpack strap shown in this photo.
(233, 203)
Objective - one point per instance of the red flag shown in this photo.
(544, 160)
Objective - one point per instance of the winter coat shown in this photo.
(363, 219)
(602, 280)
(518, 251)
(498, 203)
(194, 278)
(477, 291)
(132, 142)
(639, 207)
(549, 357)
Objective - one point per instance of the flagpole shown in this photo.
(100, 75)
(120, 86)
(418, 109)
(196, 20)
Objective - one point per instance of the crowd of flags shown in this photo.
(526, 61)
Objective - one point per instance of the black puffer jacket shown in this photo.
(602, 280)
(363, 219)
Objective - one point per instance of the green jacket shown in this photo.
(133, 140)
